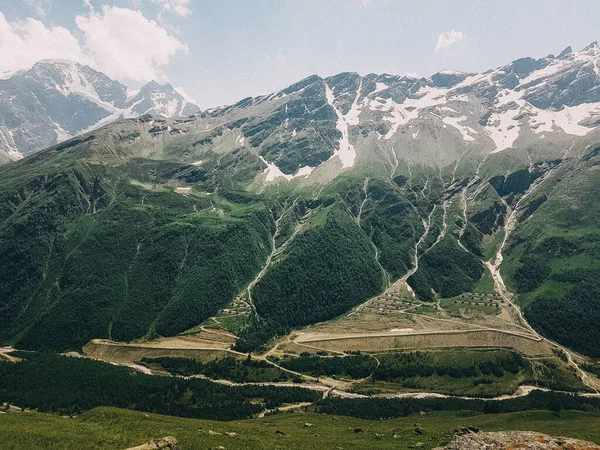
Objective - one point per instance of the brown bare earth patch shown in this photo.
(122, 353)
(202, 338)
(502, 440)
(6, 356)
(410, 340)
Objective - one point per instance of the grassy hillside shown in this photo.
(447, 270)
(326, 270)
(552, 258)
(385, 214)
(118, 235)
(89, 256)
(110, 428)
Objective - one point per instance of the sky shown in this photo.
(216, 52)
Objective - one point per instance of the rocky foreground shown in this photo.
(166, 443)
(516, 439)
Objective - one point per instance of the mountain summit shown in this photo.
(318, 127)
(57, 99)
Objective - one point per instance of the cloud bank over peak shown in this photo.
(139, 56)
(24, 43)
(106, 44)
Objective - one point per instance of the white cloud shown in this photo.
(88, 4)
(107, 43)
(39, 6)
(24, 43)
(179, 7)
(449, 38)
(120, 53)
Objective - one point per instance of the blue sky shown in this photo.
(223, 50)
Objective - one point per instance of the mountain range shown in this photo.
(56, 100)
(301, 204)
(321, 126)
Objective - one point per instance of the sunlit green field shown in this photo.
(110, 428)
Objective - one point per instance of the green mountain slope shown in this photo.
(95, 250)
(326, 270)
(134, 232)
(109, 236)
(553, 256)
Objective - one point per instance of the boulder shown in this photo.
(166, 443)
(524, 440)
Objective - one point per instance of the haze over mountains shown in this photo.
(56, 100)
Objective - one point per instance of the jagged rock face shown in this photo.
(160, 100)
(56, 100)
(327, 125)
(448, 78)
(320, 127)
(516, 439)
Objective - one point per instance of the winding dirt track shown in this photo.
(413, 333)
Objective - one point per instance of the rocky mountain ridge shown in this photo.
(318, 127)
(56, 100)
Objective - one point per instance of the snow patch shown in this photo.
(505, 97)
(352, 115)
(379, 87)
(304, 171)
(465, 131)
(131, 93)
(590, 54)
(401, 113)
(61, 135)
(448, 109)
(346, 151)
(547, 71)
(566, 119)
(273, 172)
(504, 130)
(450, 72)
(11, 147)
(183, 105)
(116, 115)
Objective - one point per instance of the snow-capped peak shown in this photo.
(451, 72)
(61, 98)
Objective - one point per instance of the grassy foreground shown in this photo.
(111, 428)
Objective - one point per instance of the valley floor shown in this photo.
(392, 322)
